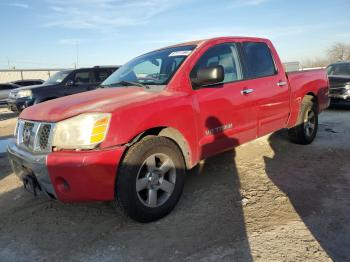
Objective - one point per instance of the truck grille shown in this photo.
(34, 136)
(44, 134)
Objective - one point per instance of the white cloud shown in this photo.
(72, 41)
(104, 14)
(20, 5)
(238, 3)
(254, 2)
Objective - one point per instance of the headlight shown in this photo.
(347, 86)
(84, 131)
(24, 93)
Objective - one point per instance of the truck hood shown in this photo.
(105, 100)
(338, 81)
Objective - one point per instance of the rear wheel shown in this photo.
(305, 131)
(150, 179)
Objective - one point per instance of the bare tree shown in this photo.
(339, 52)
(316, 62)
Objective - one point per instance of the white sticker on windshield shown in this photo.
(180, 53)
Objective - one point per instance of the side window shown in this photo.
(225, 55)
(102, 74)
(258, 60)
(82, 77)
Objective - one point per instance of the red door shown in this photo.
(227, 116)
(270, 87)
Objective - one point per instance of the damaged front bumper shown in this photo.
(69, 176)
(31, 168)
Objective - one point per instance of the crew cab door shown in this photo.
(269, 84)
(227, 115)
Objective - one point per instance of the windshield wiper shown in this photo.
(126, 83)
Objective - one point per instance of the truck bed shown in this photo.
(313, 82)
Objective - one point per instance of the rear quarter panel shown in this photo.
(302, 83)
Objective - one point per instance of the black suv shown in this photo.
(339, 82)
(63, 83)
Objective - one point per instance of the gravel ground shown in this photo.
(268, 200)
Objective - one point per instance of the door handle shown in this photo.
(281, 83)
(247, 91)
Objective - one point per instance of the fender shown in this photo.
(131, 123)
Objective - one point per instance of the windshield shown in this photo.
(339, 69)
(155, 68)
(57, 78)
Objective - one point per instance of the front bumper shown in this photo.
(70, 176)
(17, 105)
(339, 98)
(24, 163)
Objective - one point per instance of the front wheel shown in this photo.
(150, 179)
(305, 132)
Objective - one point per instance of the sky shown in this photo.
(62, 33)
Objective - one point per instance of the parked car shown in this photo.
(158, 116)
(5, 91)
(28, 82)
(63, 83)
(339, 81)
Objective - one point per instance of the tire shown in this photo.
(305, 131)
(143, 171)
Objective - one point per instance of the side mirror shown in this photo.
(70, 83)
(209, 76)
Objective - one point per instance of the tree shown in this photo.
(315, 62)
(339, 52)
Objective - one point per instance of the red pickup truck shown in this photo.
(132, 140)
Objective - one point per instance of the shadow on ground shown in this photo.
(318, 190)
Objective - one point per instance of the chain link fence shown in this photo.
(21, 74)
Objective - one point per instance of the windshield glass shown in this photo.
(155, 68)
(57, 78)
(339, 69)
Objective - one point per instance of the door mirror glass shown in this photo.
(209, 76)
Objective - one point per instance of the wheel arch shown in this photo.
(170, 133)
(313, 98)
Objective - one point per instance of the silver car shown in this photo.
(5, 91)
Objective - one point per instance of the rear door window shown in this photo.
(102, 74)
(82, 77)
(258, 60)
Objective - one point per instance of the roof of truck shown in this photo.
(199, 42)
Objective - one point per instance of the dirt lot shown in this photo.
(268, 200)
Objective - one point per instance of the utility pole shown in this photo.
(77, 53)
(8, 63)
